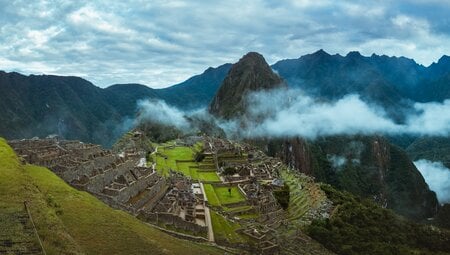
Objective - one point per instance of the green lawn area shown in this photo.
(224, 231)
(180, 153)
(180, 159)
(74, 222)
(224, 196)
(208, 176)
(211, 195)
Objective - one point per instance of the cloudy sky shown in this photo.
(163, 42)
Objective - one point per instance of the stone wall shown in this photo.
(175, 221)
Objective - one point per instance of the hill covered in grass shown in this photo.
(68, 221)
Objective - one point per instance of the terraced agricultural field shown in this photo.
(224, 230)
(181, 159)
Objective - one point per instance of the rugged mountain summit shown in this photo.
(392, 82)
(251, 73)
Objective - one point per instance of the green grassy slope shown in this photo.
(73, 222)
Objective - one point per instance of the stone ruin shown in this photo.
(117, 180)
(183, 206)
(121, 181)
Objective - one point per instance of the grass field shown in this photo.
(208, 176)
(225, 231)
(181, 159)
(226, 198)
(74, 222)
(211, 195)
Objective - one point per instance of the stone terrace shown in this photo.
(116, 179)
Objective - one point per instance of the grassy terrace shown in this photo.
(226, 198)
(224, 230)
(219, 196)
(74, 222)
(181, 159)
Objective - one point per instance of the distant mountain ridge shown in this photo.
(38, 105)
(74, 108)
(374, 77)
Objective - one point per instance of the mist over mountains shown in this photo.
(41, 105)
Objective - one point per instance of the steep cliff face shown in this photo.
(251, 73)
(366, 166)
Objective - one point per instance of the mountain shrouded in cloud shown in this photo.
(251, 73)
(335, 97)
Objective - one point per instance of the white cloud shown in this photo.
(292, 113)
(158, 111)
(433, 118)
(437, 177)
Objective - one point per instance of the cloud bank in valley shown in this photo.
(437, 176)
(159, 111)
(290, 113)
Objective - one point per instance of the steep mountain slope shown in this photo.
(68, 221)
(125, 96)
(45, 104)
(361, 227)
(431, 148)
(250, 73)
(368, 167)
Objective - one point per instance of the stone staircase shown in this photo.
(17, 234)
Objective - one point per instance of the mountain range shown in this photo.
(39, 105)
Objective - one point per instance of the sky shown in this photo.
(162, 42)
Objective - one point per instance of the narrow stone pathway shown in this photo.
(209, 224)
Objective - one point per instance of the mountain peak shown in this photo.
(321, 52)
(252, 55)
(444, 59)
(354, 54)
(250, 73)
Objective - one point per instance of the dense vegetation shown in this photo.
(443, 217)
(358, 226)
(282, 196)
(370, 167)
